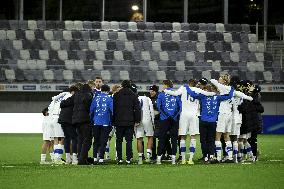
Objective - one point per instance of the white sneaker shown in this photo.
(68, 161)
(173, 160)
(74, 159)
(140, 161)
(158, 162)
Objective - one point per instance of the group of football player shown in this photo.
(226, 113)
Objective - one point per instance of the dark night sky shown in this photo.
(241, 11)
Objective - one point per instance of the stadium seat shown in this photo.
(67, 75)
(48, 75)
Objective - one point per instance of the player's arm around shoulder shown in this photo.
(175, 93)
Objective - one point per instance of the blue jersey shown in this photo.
(96, 92)
(210, 104)
(101, 110)
(168, 106)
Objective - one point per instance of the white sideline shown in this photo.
(21, 122)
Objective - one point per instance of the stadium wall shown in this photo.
(20, 112)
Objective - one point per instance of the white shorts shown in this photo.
(144, 129)
(236, 128)
(112, 132)
(188, 124)
(47, 132)
(224, 123)
(57, 129)
(245, 136)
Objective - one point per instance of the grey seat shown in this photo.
(193, 26)
(141, 26)
(192, 36)
(87, 25)
(94, 35)
(96, 25)
(150, 26)
(58, 75)
(14, 24)
(183, 36)
(245, 28)
(112, 35)
(120, 45)
(48, 75)
(23, 24)
(4, 24)
(159, 26)
(111, 45)
(124, 25)
(203, 27)
(185, 26)
(212, 27)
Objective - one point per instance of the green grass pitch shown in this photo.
(20, 155)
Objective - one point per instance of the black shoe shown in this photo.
(229, 161)
(83, 163)
(213, 161)
(119, 162)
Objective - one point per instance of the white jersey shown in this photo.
(226, 107)
(54, 107)
(147, 109)
(238, 100)
(237, 116)
(189, 104)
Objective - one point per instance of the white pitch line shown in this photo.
(275, 160)
(8, 166)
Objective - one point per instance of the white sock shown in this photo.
(140, 156)
(229, 150)
(159, 158)
(61, 150)
(248, 149)
(74, 157)
(42, 157)
(241, 151)
(56, 152)
(235, 149)
(192, 148)
(68, 157)
(95, 159)
(182, 149)
(218, 145)
(149, 153)
(173, 159)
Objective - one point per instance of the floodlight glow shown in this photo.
(135, 7)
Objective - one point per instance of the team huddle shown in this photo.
(226, 113)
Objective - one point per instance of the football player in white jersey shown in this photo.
(47, 145)
(189, 121)
(54, 111)
(225, 117)
(146, 126)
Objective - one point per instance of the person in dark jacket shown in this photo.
(253, 139)
(126, 115)
(170, 108)
(250, 120)
(65, 119)
(154, 92)
(81, 120)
